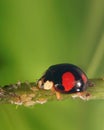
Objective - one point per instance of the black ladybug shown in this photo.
(65, 78)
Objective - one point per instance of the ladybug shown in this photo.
(64, 78)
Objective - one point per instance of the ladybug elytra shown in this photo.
(64, 78)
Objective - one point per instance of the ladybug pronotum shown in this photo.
(64, 78)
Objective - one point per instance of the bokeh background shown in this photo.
(35, 34)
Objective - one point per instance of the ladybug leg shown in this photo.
(58, 94)
(40, 83)
(82, 95)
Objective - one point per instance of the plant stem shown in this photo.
(28, 94)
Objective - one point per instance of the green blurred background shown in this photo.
(35, 34)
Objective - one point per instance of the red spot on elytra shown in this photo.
(68, 81)
(84, 78)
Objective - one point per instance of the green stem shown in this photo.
(29, 94)
(97, 90)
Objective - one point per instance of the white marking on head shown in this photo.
(48, 85)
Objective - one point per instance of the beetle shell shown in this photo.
(66, 78)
